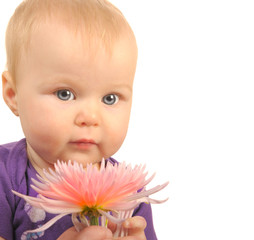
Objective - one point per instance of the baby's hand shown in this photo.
(88, 233)
(135, 227)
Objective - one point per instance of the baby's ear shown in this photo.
(9, 92)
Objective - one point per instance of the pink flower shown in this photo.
(88, 193)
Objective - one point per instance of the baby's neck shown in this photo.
(38, 163)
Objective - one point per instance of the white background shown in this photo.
(192, 119)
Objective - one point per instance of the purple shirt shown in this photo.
(17, 216)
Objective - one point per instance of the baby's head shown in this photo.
(70, 71)
(99, 21)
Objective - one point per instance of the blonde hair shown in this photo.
(98, 19)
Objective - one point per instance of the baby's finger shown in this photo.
(95, 233)
(89, 233)
(135, 226)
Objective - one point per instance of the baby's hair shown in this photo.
(98, 20)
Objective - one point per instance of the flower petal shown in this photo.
(110, 217)
(77, 224)
(31, 200)
(48, 224)
(146, 193)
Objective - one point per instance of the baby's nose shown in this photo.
(87, 116)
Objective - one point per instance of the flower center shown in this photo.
(92, 214)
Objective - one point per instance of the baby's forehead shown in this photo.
(55, 32)
(55, 44)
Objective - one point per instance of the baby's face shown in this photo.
(71, 106)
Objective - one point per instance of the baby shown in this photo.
(69, 78)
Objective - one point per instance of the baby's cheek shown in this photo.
(114, 141)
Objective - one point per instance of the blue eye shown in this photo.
(65, 95)
(110, 99)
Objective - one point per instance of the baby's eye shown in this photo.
(110, 99)
(65, 95)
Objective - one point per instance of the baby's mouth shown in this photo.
(83, 144)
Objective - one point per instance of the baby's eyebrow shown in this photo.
(123, 86)
(57, 79)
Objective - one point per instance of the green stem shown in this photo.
(94, 221)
